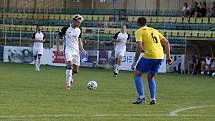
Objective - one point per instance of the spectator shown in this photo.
(195, 62)
(185, 10)
(203, 9)
(195, 10)
(212, 10)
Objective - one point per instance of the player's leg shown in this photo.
(142, 66)
(115, 63)
(202, 67)
(120, 56)
(38, 61)
(68, 61)
(40, 52)
(152, 87)
(116, 66)
(151, 82)
(68, 75)
(194, 69)
(35, 62)
(75, 69)
(206, 69)
(139, 87)
(35, 53)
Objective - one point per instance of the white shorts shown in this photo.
(72, 56)
(207, 66)
(119, 53)
(37, 50)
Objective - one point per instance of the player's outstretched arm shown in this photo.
(165, 43)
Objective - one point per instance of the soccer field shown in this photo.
(26, 95)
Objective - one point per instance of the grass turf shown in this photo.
(27, 95)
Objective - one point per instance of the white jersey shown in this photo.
(38, 36)
(71, 39)
(208, 61)
(121, 45)
(71, 36)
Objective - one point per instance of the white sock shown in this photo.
(35, 64)
(68, 76)
(38, 65)
(141, 97)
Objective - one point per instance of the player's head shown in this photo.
(195, 4)
(39, 28)
(141, 21)
(76, 20)
(123, 28)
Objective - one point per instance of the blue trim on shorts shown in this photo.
(149, 65)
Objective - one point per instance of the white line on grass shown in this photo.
(174, 113)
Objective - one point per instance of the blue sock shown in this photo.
(152, 89)
(139, 86)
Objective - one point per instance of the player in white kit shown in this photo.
(208, 62)
(38, 46)
(72, 44)
(120, 39)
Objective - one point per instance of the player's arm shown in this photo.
(33, 38)
(165, 44)
(139, 44)
(43, 38)
(60, 35)
(80, 43)
(114, 39)
(137, 54)
(129, 38)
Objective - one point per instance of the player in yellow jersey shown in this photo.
(150, 41)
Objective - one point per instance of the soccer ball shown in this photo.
(91, 85)
(213, 74)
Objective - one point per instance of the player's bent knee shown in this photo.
(150, 76)
(75, 71)
(137, 73)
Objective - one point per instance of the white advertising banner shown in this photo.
(52, 57)
(18, 54)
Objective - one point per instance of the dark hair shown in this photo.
(142, 21)
(196, 3)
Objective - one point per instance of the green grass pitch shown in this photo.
(27, 95)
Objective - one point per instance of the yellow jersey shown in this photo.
(151, 42)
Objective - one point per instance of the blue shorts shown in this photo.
(149, 65)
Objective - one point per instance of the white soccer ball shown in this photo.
(92, 85)
(213, 74)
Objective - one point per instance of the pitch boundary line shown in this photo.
(174, 113)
